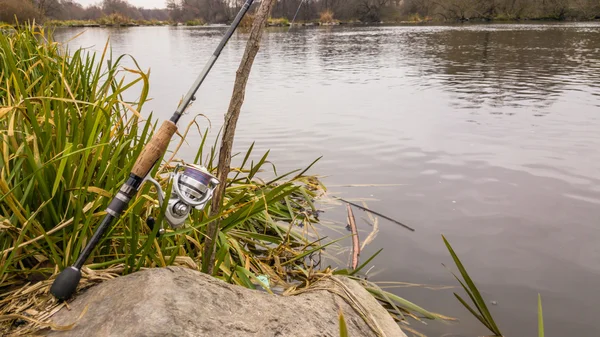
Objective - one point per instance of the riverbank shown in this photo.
(284, 22)
(269, 227)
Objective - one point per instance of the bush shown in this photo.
(195, 22)
(326, 17)
(114, 20)
(247, 21)
(21, 9)
(415, 18)
(279, 22)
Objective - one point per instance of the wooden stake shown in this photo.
(231, 118)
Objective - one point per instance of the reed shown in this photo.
(478, 307)
(70, 132)
(69, 140)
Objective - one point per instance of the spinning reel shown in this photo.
(192, 188)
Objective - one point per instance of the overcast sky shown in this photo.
(137, 3)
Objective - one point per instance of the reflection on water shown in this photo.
(490, 133)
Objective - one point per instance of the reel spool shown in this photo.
(192, 188)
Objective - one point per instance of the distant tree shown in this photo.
(154, 14)
(23, 10)
(207, 10)
(370, 10)
(424, 8)
(93, 13)
(516, 9)
(222, 11)
(459, 10)
(48, 8)
(175, 10)
(556, 9)
(586, 9)
(71, 10)
(115, 6)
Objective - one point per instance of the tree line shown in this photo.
(223, 11)
(71, 10)
(465, 10)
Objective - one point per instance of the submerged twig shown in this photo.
(355, 241)
(376, 213)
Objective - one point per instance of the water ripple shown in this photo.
(491, 130)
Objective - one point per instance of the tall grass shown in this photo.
(69, 140)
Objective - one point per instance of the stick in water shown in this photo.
(376, 213)
(355, 240)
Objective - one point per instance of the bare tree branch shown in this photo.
(231, 118)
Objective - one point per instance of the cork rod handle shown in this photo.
(154, 149)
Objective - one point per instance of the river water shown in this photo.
(488, 134)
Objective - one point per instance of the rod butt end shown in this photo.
(65, 284)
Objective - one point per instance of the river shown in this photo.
(488, 134)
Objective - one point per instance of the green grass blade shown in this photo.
(254, 169)
(305, 254)
(343, 327)
(61, 169)
(540, 317)
(476, 294)
(473, 312)
(407, 305)
(359, 268)
(307, 168)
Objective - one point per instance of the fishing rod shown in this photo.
(297, 11)
(193, 185)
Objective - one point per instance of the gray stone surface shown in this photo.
(176, 301)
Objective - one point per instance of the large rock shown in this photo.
(176, 301)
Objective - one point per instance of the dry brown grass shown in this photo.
(247, 21)
(26, 310)
(326, 17)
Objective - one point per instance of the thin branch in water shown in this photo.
(376, 213)
(355, 240)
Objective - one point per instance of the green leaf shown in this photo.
(540, 317)
(343, 327)
(359, 268)
(407, 305)
(474, 292)
(478, 316)
(305, 254)
(61, 169)
(307, 168)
